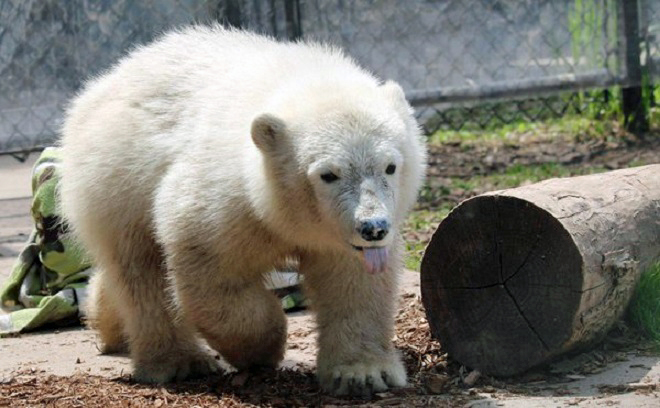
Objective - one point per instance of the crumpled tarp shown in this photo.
(49, 278)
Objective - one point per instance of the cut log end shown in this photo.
(501, 284)
(516, 277)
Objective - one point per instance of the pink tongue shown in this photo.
(375, 259)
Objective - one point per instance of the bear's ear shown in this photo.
(268, 132)
(394, 93)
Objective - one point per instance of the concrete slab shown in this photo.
(15, 177)
(15, 203)
(72, 350)
(15, 220)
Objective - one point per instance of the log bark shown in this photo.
(514, 278)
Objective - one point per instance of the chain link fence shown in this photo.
(462, 62)
(650, 37)
(49, 47)
(459, 60)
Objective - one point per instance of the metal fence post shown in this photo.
(293, 19)
(227, 12)
(634, 108)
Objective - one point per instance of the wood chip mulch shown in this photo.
(430, 385)
(434, 380)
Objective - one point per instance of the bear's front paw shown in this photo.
(363, 378)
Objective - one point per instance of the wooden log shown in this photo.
(515, 278)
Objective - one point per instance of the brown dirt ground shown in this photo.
(467, 160)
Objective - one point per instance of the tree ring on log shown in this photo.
(501, 283)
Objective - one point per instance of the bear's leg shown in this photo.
(355, 316)
(103, 315)
(162, 348)
(235, 313)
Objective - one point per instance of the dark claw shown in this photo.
(384, 376)
(337, 384)
(368, 390)
(352, 386)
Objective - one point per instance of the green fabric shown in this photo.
(50, 273)
(58, 253)
(294, 300)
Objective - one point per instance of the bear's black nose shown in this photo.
(374, 229)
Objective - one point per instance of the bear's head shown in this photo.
(346, 161)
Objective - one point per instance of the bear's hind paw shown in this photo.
(177, 368)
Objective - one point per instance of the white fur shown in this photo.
(195, 165)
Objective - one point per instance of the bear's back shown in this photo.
(191, 93)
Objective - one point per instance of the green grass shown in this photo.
(644, 310)
(513, 176)
(518, 174)
(654, 115)
(417, 232)
(571, 127)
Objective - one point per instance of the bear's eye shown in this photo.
(390, 169)
(329, 177)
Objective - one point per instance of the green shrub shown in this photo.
(644, 310)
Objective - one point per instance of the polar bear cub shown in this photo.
(200, 161)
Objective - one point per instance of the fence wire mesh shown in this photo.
(470, 46)
(461, 62)
(650, 35)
